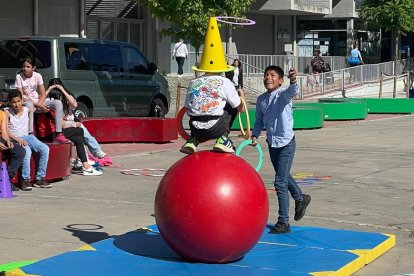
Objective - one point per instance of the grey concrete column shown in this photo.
(82, 18)
(275, 42)
(35, 17)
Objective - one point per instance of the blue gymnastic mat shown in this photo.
(142, 252)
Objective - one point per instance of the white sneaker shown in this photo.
(92, 163)
(100, 154)
(91, 172)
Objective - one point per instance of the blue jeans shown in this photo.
(15, 156)
(90, 141)
(34, 144)
(282, 159)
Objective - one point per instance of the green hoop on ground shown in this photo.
(259, 150)
(224, 19)
(245, 133)
(180, 127)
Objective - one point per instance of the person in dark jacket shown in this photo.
(317, 62)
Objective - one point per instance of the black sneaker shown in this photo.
(26, 186)
(300, 206)
(190, 146)
(14, 188)
(280, 228)
(41, 183)
(77, 169)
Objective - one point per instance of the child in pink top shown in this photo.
(30, 84)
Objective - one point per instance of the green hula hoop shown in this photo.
(259, 149)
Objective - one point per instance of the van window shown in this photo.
(92, 56)
(13, 52)
(137, 63)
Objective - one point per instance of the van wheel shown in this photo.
(158, 108)
(82, 110)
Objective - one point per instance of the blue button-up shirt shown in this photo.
(275, 113)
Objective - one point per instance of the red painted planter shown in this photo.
(132, 129)
(58, 167)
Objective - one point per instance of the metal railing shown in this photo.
(256, 63)
(302, 64)
(336, 81)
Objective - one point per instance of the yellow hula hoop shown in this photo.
(245, 133)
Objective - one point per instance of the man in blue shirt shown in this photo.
(274, 112)
(355, 58)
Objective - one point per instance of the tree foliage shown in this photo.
(191, 16)
(391, 15)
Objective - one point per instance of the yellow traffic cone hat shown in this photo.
(213, 59)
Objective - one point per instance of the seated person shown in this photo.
(212, 104)
(10, 149)
(18, 119)
(30, 84)
(73, 130)
(90, 141)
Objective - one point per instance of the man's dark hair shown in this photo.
(275, 68)
(13, 94)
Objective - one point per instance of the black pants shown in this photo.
(15, 157)
(180, 63)
(75, 134)
(221, 128)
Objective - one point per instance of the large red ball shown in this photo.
(211, 207)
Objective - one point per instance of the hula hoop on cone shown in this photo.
(225, 19)
(245, 133)
(259, 150)
(180, 126)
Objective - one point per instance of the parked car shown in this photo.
(107, 78)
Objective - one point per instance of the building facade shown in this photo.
(297, 26)
(282, 26)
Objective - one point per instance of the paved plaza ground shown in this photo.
(365, 171)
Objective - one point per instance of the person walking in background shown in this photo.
(236, 76)
(275, 114)
(317, 62)
(317, 65)
(180, 54)
(355, 58)
(18, 120)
